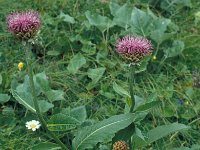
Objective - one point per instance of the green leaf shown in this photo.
(61, 122)
(138, 138)
(88, 47)
(104, 130)
(138, 101)
(79, 113)
(26, 100)
(176, 49)
(158, 30)
(1, 79)
(44, 105)
(46, 146)
(148, 106)
(76, 63)
(124, 134)
(4, 98)
(141, 22)
(53, 53)
(42, 81)
(55, 95)
(162, 131)
(120, 90)
(122, 14)
(66, 18)
(143, 65)
(96, 74)
(101, 22)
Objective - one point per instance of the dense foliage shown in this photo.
(82, 84)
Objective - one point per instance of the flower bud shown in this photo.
(120, 145)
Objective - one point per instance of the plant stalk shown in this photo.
(131, 82)
(35, 102)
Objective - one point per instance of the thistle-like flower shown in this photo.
(120, 145)
(24, 25)
(133, 48)
(33, 125)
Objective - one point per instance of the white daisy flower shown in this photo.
(33, 125)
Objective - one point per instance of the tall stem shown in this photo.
(131, 82)
(35, 102)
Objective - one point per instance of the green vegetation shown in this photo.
(82, 84)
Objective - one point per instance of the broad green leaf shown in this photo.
(61, 122)
(96, 74)
(122, 14)
(76, 63)
(176, 49)
(159, 36)
(162, 131)
(120, 90)
(138, 101)
(66, 18)
(4, 98)
(55, 95)
(25, 101)
(42, 81)
(44, 105)
(124, 134)
(168, 112)
(25, 86)
(159, 26)
(141, 22)
(138, 138)
(79, 113)
(148, 105)
(46, 146)
(89, 136)
(114, 7)
(101, 22)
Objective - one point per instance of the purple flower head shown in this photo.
(134, 48)
(24, 25)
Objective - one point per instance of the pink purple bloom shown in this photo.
(134, 48)
(24, 25)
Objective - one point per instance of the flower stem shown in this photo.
(131, 82)
(35, 102)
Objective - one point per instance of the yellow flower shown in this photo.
(154, 57)
(20, 66)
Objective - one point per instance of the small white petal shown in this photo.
(33, 129)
